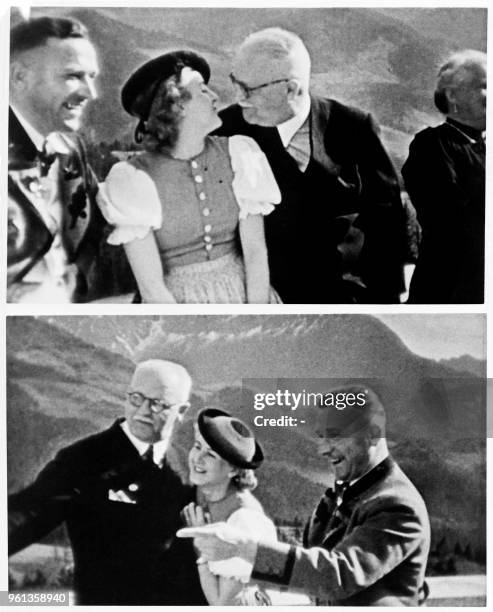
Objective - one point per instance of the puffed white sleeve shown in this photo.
(254, 185)
(129, 201)
(257, 525)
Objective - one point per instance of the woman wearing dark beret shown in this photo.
(445, 178)
(188, 209)
(221, 464)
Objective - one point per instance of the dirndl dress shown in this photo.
(194, 208)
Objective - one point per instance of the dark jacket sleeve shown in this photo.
(387, 534)
(232, 122)
(36, 510)
(382, 217)
(89, 253)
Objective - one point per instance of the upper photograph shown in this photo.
(244, 155)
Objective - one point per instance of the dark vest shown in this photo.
(305, 229)
(302, 234)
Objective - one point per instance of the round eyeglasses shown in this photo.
(137, 399)
(247, 91)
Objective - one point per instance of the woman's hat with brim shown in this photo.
(230, 438)
(148, 77)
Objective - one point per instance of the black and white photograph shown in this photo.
(248, 459)
(310, 428)
(347, 146)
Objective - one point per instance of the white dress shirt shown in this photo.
(289, 128)
(159, 448)
(295, 136)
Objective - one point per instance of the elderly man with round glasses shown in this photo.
(339, 233)
(120, 501)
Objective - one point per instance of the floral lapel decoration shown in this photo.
(70, 156)
(77, 206)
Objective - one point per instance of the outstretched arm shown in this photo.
(381, 542)
(372, 550)
(36, 510)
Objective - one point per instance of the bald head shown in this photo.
(158, 396)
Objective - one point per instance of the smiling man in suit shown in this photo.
(368, 539)
(54, 225)
(339, 234)
(121, 501)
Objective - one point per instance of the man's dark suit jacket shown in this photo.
(375, 555)
(29, 238)
(339, 233)
(124, 553)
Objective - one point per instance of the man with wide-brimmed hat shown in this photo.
(367, 541)
(121, 500)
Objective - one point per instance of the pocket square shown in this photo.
(120, 496)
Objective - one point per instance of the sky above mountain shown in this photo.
(440, 336)
(432, 336)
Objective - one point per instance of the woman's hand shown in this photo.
(194, 516)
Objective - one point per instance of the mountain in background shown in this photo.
(64, 385)
(467, 28)
(382, 60)
(466, 363)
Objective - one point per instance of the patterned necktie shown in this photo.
(337, 522)
(54, 144)
(299, 146)
(46, 158)
(329, 518)
(340, 488)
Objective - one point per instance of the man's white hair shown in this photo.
(171, 374)
(454, 72)
(283, 47)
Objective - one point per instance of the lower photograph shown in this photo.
(247, 460)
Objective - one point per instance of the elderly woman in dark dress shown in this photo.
(188, 209)
(445, 178)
